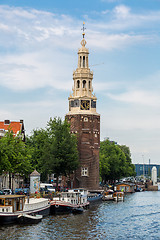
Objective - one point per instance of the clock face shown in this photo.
(85, 104)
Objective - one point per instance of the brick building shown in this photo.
(85, 122)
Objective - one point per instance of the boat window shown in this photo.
(2, 202)
(8, 202)
(21, 204)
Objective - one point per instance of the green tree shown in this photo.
(114, 163)
(54, 149)
(38, 142)
(63, 155)
(130, 167)
(14, 156)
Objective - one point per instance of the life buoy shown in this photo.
(57, 206)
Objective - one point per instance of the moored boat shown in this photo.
(77, 210)
(69, 201)
(60, 207)
(11, 206)
(108, 195)
(29, 219)
(118, 196)
(94, 196)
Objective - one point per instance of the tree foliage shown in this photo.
(14, 155)
(54, 149)
(115, 161)
(63, 155)
(38, 143)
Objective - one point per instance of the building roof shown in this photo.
(125, 183)
(11, 196)
(14, 126)
(35, 173)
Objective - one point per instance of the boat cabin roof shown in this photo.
(11, 196)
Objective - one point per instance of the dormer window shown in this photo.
(84, 83)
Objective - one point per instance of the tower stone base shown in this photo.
(87, 129)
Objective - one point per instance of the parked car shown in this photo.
(18, 191)
(47, 187)
(7, 191)
(26, 191)
(1, 192)
(22, 191)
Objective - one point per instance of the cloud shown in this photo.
(26, 67)
(122, 11)
(28, 71)
(147, 98)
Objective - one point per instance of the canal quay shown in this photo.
(138, 217)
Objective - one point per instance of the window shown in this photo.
(84, 83)
(83, 61)
(85, 119)
(78, 84)
(84, 172)
(89, 84)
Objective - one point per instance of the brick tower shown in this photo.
(85, 122)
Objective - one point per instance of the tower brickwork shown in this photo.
(85, 122)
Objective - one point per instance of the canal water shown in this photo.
(138, 217)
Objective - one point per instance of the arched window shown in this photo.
(83, 61)
(78, 84)
(84, 83)
(80, 61)
(89, 84)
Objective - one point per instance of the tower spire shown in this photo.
(83, 29)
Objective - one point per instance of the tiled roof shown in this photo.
(12, 125)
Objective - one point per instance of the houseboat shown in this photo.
(12, 206)
(125, 187)
(82, 196)
(73, 201)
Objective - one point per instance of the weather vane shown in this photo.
(83, 30)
